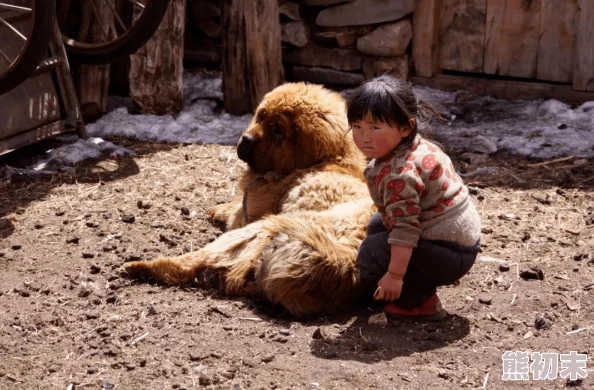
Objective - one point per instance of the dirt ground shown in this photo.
(68, 321)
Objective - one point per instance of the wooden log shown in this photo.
(512, 35)
(556, 47)
(252, 59)
(93, 80)
(156, 69)
(462, 34)
(425, 40)
(583, 75)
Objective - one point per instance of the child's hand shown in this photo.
(389, 289)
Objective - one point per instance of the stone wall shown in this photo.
(333, 42)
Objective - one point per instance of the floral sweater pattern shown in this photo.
(415, 189)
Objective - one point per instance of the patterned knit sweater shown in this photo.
(419, 194)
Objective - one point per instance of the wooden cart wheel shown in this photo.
(129, 24)
(25, 32)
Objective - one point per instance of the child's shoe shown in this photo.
(430, 310)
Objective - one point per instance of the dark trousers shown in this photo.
(432, 264)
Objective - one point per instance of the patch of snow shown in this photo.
(540, 129)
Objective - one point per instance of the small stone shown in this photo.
(22, 291)
(152, 311)
(317, 334)
(16, 247)
(574, 382)
(268, 358)
(562, 126)
(541, 323)
(54, 368)
(378, 319)
(95, 269)
(92, 315)
(195, 357)
(128, 218)
(285, 332)
(111, 299)
(185, 211)
(59, 213)
(486, 300)
(130, 366)
(38, 226)
(139, 203)
(575, 327)
(504, 267)
(91, 370)
(487, 230)
(84, 292)
(88, 255)
(581, 256)
(72, 240)
(106, 385)
(134, 257)
(92, 224)
(533, 273)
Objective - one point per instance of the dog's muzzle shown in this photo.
(245, 148)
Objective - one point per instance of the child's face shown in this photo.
(378, 139)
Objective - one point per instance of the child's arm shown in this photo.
(391, 282)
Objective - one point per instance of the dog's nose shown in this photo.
(245, 147)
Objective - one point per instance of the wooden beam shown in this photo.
(556, 46)
(252, 57)
(462, 34)
(425, 40)
(583, 75)
(506, 89)
(512, 35)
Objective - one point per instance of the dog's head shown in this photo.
(296, 126)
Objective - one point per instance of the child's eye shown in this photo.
(374, 128)
(357, 127)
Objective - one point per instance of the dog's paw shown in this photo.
(137, 270)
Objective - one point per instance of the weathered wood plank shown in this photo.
(506, 89)
(512, 35)
(156, 69)
(462, 34)
(252, 57)
(557, 41)
(583, 75)
(425, 38)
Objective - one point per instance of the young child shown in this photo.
(426, 231)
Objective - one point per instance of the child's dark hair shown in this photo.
(390, 100)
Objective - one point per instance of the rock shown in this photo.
(504, 267)
(38, 226)
(16, 247)
(285, 332)
(92, 315)
(22, 291)
(365, 12)
(59, 213)
(295, 33)
(268, 358)
(317, 334)
(389, 40)
(92, 224)
(541, 323)
(95, 269)
(195, 357)
(562, 126)
(128, 218)
(151, 310)
(483, 144)
(106, 385)
(533, 273)
(315, 55)
(474, 158)
(398, 67)
(581, 256)
(574, 382)
(290, 10)
(84, 292)
(486, 300)
(185, 211)
(88, 255)
(486, 230)
(134, 257)
(325, 76)
(378, 319)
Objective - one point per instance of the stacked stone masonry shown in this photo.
(334, 42)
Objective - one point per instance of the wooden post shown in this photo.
(156, 69)
(425, 40)
(583, 74)
(252, 58)
(93, 80)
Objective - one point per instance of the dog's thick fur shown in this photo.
(306, 203)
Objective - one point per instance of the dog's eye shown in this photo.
(277, 134)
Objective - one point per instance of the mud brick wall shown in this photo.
(334, 42)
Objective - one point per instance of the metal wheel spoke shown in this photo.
(14, 7)
(4, 22)
(137, 3)
(105, 33)
(117, 16)
(5, 56)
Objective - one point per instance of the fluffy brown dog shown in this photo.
(293, 235)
